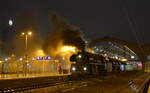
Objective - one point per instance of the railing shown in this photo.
(138, 85)
(145, 86)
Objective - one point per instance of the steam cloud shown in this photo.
(63, 33)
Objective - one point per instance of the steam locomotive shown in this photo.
(95, 64)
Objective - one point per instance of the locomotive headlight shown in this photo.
(73, 68)
(85, 68)
(79, 56)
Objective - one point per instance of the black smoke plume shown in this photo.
(65, 33)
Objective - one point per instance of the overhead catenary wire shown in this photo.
(132, 25)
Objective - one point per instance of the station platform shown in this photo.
(17, 76)
(148, 89)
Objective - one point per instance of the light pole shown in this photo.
(26, 34)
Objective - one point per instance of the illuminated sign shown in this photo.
(44, 58)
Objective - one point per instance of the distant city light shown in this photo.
(101, 50)
(56, 61)
(28, 64)
(122, 67)
(139, 64)
(33, 58)
(86, 42)
(39, 58)
(63, 58)
(10, 22)
(97, 49)
(48, 58)
(20, 59)
(132, 57)
(124, 59)
(80, 56)
(105, 55)
(116, 57)
(85, 68)
(74, 69)
(6, 59)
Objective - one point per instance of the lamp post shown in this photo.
(26, 34)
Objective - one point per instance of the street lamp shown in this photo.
(26, 34)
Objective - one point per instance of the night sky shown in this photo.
(123, 19)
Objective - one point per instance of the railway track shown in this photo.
(23, 84)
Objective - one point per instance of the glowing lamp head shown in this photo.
(22, 33)
(29, 33)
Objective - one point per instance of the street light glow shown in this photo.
(73, 68)
(27, 33)
(6, 59)
(116, 57)
(80, 56)
(84, 68)
(21, 59)
(22, 33)
(132, 57)
(124, 59)
(30, 33)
